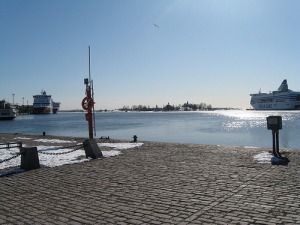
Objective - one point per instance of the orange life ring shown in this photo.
(87, 103)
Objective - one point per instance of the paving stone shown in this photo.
(158, 183)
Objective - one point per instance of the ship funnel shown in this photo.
(283, 86)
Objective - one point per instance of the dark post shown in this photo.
(92, 149)
(89, 115)
(277, 143)
(274, 123)
(273, 142)
(88, 102)
(29, 158)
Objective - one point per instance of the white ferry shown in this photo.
(6, 112)
(282, 99)
(43, 104)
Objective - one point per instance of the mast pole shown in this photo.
(88, 102)
(89, 95)
(92, 122)
(89, 63)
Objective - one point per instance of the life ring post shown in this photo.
(87, 104)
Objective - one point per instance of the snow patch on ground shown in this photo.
(117, 147)
(22, 138)
(77, 156)
(120, 146)
(264, 157)
(53, 141)
(54, 159)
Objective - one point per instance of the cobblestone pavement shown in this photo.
(157, 183)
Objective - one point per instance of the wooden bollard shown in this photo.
(29, 158)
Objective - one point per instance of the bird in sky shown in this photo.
(155, 25)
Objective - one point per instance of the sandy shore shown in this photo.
(156, 183)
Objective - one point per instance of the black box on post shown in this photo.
(274, 122)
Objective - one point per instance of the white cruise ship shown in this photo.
(43, 104)
(282, 99)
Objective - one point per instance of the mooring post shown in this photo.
(92, 149)
(29, 158)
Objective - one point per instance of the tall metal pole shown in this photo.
(94, 118)
(89, 95)
(89, 63)
(92, 89)
(88, 102)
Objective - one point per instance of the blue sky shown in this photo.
(211, 51)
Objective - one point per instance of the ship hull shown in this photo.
(42, 110)
(270, 106)
(7, 114)
(7, 117)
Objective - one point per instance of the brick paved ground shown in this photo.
(158, 183)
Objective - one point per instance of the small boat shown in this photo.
(282, 99)
(6, 112)
(43, 104)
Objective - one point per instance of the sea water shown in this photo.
(223, 127)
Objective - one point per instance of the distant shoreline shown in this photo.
(117, 110)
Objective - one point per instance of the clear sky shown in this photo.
(211, 51)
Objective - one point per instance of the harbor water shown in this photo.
(228, 127)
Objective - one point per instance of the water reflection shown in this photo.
(254, 124)
(237, 128)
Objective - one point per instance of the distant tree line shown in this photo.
(184, 107)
